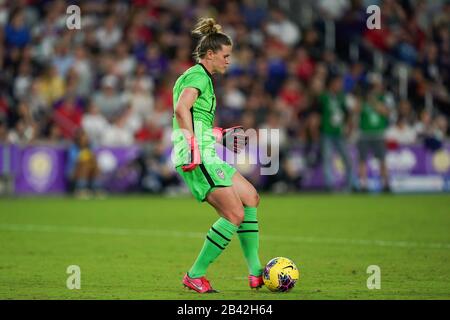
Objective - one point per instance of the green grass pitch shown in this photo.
(139, 247)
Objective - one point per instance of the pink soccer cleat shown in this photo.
(255, 282)
(200, 285)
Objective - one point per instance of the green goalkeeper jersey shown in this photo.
(202, 112)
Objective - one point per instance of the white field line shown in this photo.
(182, 234)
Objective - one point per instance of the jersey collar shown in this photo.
(206, 70)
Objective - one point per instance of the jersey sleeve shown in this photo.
(196, 80)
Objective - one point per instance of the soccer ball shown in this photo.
(280, 274)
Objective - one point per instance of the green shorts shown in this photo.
(207, 177)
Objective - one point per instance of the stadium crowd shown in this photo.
(113, 77)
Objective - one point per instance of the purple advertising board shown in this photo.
(41, 169)
(117, 172)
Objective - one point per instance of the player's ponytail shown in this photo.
(206, 26)
(211, 35)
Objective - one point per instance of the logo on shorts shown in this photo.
(220, 173)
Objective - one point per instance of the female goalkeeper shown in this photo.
(208, 177)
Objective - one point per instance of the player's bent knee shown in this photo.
(234, 216)
(253, 200)
(256, 199)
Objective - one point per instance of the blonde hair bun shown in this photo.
(207, 26)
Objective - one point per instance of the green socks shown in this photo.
(216, 241)
(249, 237)
(220, 235)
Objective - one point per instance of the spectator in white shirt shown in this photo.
(117, 135)
(94, 123)
(401, 133)
(109, 34)
(125, 63)
(282, 28)
(109, 101)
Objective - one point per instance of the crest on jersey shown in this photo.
(220, 173)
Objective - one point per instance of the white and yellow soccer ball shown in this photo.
(280, 274)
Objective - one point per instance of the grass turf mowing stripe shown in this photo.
(173, 233)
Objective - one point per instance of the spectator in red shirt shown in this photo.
(68, 117)
(291, 93)
(149, 132)
(305, 65)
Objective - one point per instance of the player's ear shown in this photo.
(209, 54)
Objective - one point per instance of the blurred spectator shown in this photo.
(82, 169)
(402, 133)
(234, 98)
(109, 34)
(21, 134)
(254, 15)
(280, 27)
(50, 86)
(275, 149)
(312, 44)
(334, 124)
(4, 106)
(83, 68)
(373, 122)
(430, 64)
(62, 58)
(329, 66)
(441, 127)
(182, 60)
(3, 132)
(433, 132)
(333, 9)
(141, 105)
(25, 129)
(162, 116)
(156, 173)
(382, 39)
(155, 61)
(41, 111)
(417, 88)
(354, 78)
(310, 117)
(405, 111)
(110, 102)
(149, 132)
(94, 124)
(140, 78)
(46, 33)
(423, 126)
(68, 117)
(124, 62)
(55, 135)
(276, 71)
(23, 81)
(17, 34)
(304, 65)
(258, 104)
(291, 93)
(117, 134)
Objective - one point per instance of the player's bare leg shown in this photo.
(227, 204)
(245, 191)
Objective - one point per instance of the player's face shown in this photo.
(221, 59)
